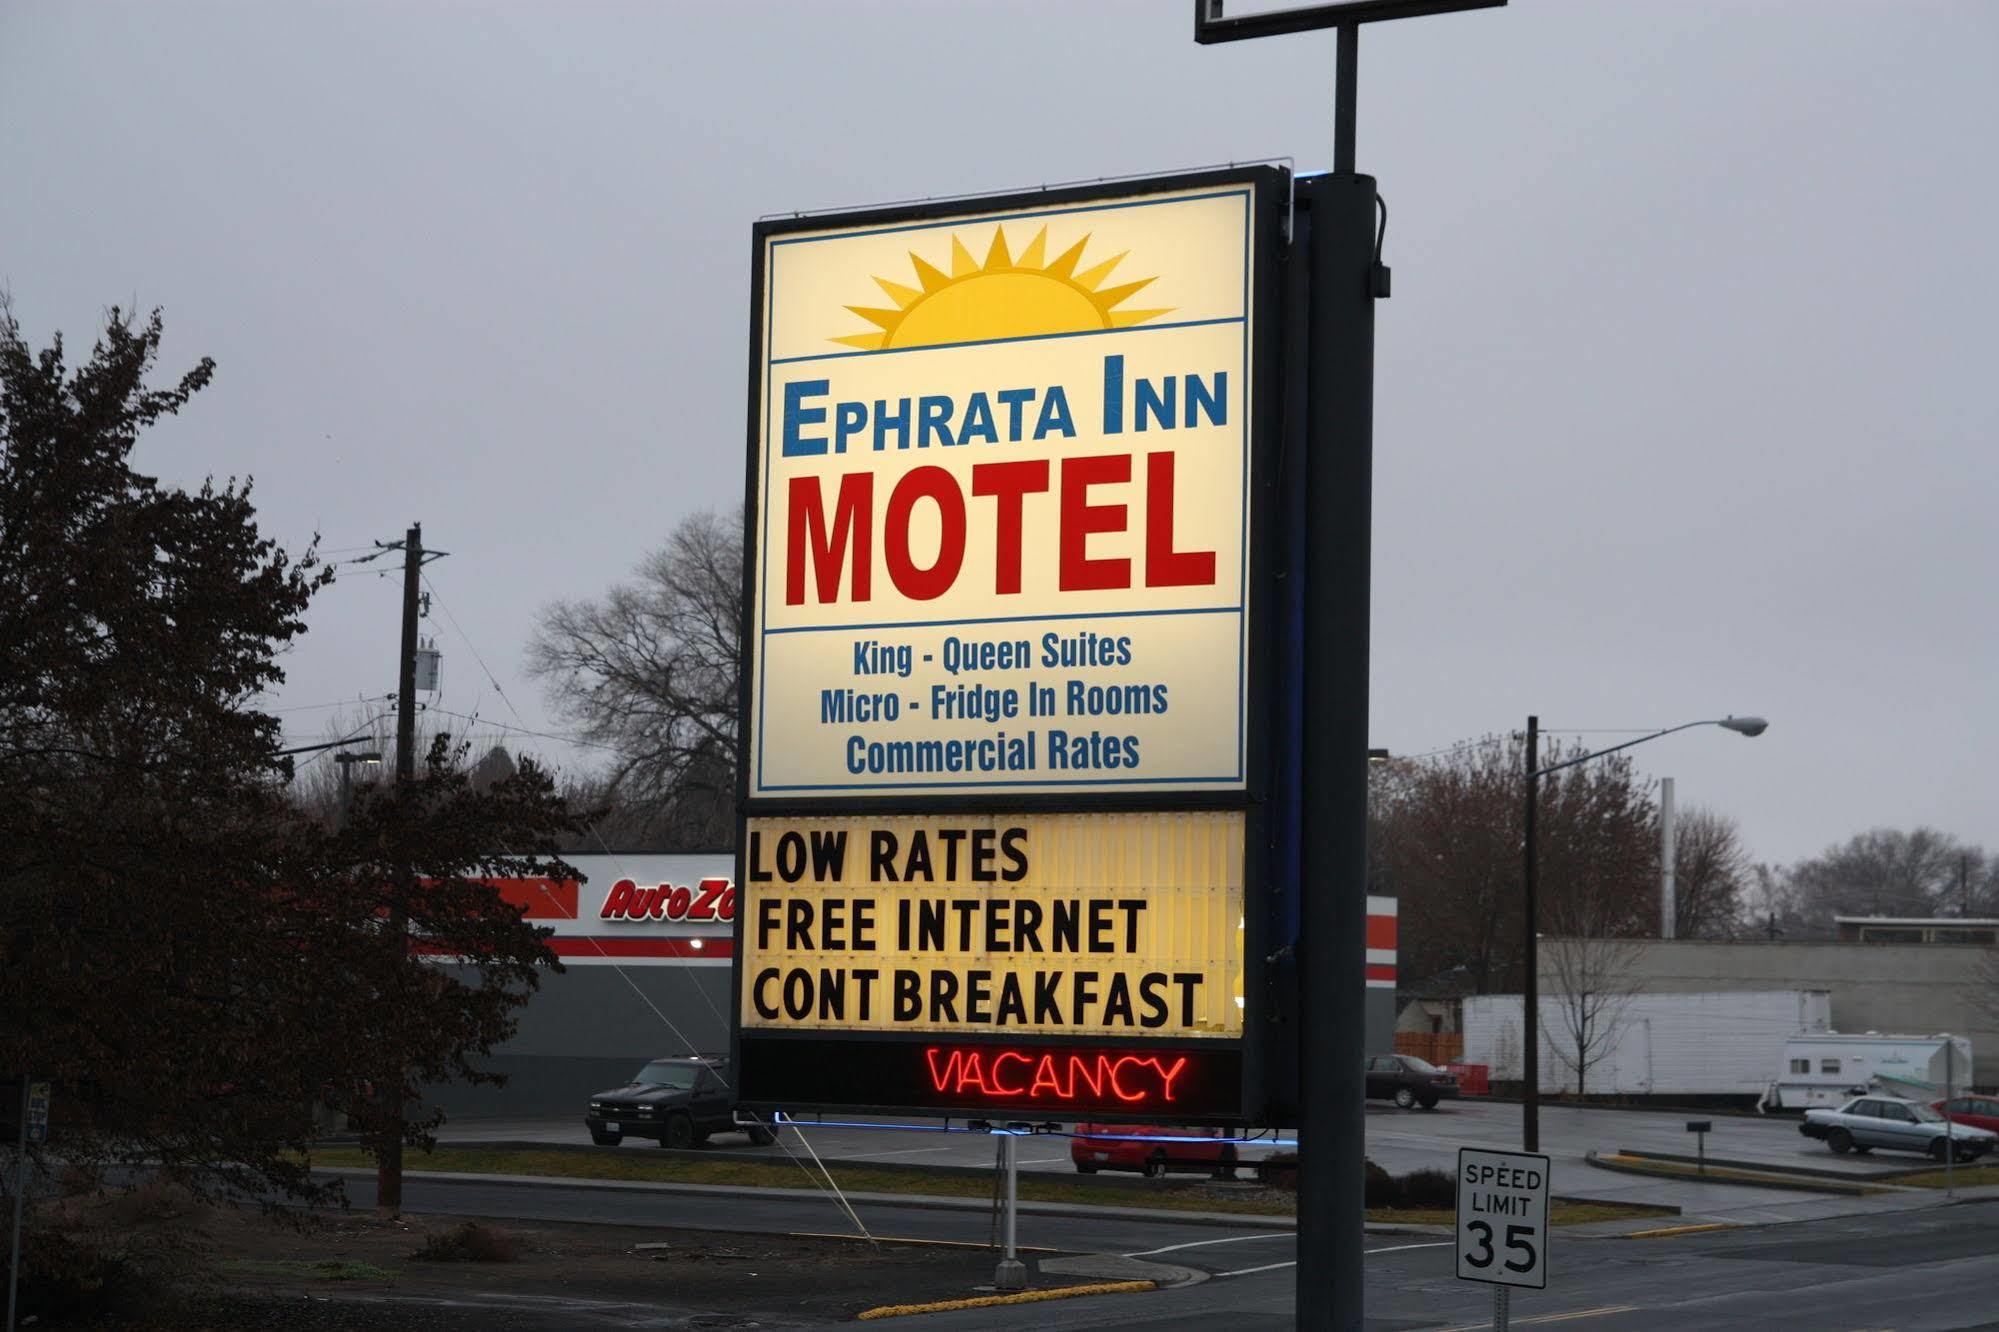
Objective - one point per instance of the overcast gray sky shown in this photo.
(1685, 401)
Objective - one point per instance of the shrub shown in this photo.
(1279, 1170)
(1381, 1187)
(1429, 1188)
(469, 1242)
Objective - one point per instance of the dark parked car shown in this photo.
(677, 1102)
(1408, 1081)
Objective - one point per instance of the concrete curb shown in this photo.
(998, 1301)
(932, 1202)
(1886, 1176)
(1784, 1185)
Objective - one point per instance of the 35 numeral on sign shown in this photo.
(1502, 1218)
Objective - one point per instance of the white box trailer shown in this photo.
(1709, 1043)
(1825, 1068)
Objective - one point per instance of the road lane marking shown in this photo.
(1268, 1267)
(1232, 1239)
(904, 1239)
(1695, 1229)
(1597, 1312)
(1398, 1248)
(906, 1151)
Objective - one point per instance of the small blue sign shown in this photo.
(38, 1112)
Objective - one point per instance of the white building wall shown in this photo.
(1898, 989)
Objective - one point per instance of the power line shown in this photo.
(337, 703)
(491, 679)
(320, 751)
(520, 730)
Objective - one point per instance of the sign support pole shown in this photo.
(1336, 253)
(1011, 1274)
(1502, 1301)
(20, 1192)
(1949, 1125)
(1530, 975)
(1339, 467)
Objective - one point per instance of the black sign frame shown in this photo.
(1269, 223)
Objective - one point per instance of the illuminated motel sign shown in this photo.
(1008, 671)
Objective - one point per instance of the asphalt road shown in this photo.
(1935, 1268)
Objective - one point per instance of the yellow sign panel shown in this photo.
(1050, 924)
(1003, 500)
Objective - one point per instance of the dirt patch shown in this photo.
(350, 1271)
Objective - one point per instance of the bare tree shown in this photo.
(1711, 875)
(1590, 968)
(1887, 872)
(649, 672)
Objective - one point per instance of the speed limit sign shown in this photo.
(1503, 1218)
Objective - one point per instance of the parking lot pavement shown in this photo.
(1407, 1139)
(1401, 1141)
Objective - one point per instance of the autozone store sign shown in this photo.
(638, 910)
(711, 899)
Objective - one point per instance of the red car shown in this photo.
(1154, 1153)
(1977, 1111)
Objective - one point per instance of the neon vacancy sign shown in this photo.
(1054, 1077)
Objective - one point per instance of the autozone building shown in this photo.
(647, 947)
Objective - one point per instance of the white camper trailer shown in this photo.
(1825, 1068)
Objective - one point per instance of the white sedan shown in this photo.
(1867, 1122)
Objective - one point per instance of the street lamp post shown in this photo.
(347, 760)
(1530, 1015)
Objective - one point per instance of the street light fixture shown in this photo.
(347, 759)
(1530, 1008)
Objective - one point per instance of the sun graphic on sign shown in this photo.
(1003, 297)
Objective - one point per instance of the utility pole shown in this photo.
(389, 1147)
(1530, 984)
(406, 664)
(1669, 906)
